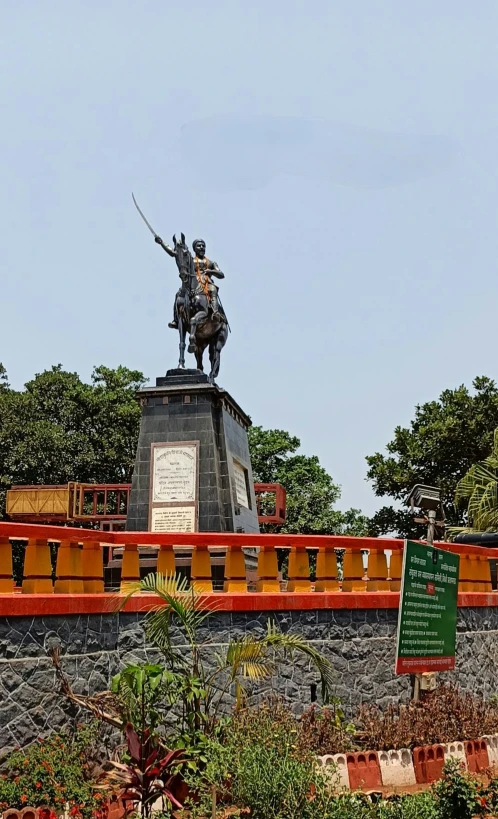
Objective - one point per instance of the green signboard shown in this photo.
(427, 610)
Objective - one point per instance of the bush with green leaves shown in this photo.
(267, 779)
(56, 773)
(202, 690)
(459, 794)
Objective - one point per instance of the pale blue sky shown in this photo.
(339, 158)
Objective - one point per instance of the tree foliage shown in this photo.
(311, 492)
(477, 495)
(445, 438)
(60, 429)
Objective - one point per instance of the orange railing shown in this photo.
(343, 564)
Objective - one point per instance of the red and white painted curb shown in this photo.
(367, 770)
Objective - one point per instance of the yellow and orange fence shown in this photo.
(368, 564)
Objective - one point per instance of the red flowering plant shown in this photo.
(147, 775)
(54, 773)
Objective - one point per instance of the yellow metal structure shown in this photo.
(39, 502)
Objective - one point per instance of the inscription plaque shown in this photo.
(173, 519)
(174, 473)
(240, 485)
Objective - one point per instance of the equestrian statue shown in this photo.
(198, 311)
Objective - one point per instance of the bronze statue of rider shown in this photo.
(204, 271)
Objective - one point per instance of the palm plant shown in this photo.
(478, 489)
(202, 690)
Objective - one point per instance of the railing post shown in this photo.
(474, 573)
(166, 560)
(235, 570)
(201, 570)
(377, 571)
(299, 570)
(353, 572)
(267, 570)
(326, 570)
(484, 574)
(395, 567)
(37, 568)
(465, 583)
(92, 567)
(6, 568)
(130, 569)
(68, 568)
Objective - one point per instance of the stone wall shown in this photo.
(359, 643)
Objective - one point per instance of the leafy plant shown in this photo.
(142, 691)
(56, 773)
(445, 715)
(478, 491)
(325, 730)
(202, 690)
(457, 793)
(411, 806)
(149, 773)
(265, 777)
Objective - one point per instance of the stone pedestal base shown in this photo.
(184, 408)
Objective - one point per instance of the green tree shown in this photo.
(477, 495)
(311, 492)
(442, 442)
(59, 429)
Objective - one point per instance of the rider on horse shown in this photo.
(204, 270)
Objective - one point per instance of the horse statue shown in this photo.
(194, 312)
(198, 310)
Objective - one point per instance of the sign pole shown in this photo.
(431, 526)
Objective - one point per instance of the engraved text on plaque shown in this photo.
(240, 484)
(173, 519)
(174, 474)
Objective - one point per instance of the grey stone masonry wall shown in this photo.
(359, 643)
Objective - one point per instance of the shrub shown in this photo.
(459, 794)
(54, 773)
(258, 765)
(271, 724)
(412, 806)
(318, 731)
(325, 731)
(445, 715)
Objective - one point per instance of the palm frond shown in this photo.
(451, 532)
(479, 490)
(179, 604)
(478, 475)
(287, 644)
(474, 505)
(249, 658)
(488, 508)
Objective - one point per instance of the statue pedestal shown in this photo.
(192, 469)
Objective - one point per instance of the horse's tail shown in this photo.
(222, 311)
